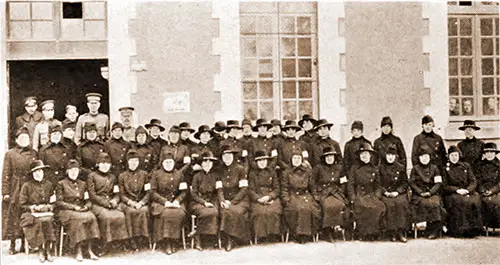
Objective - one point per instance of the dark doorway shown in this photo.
(65, 81)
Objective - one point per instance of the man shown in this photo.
(467, 107)
(100, 120)
(155, 141)
(127, 118)
(388, 139)
(56, 155)
(30, 118)
(323, 141)
(351, 148)
(491, 107)
(181, 152)
(41, 133)
(117, 148)
(471, 147)
(246, 125)
(186, 131)
(433, 141)
(71, 115)
(454, 110)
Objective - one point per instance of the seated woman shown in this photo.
(105, 198)
(74, 213)
(462, 202)
(134, 199)
(302, 212)
(365, 194)
(265, 213)
(204, 199)
(36, 200)
(394, 181)
(168, 194)
(331, 192)
(232, 190)
(426, 183)
(489, 185)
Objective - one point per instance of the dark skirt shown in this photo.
(397, 216)
(303, 215)
(266, 219)
(79, 226)
(335, 211)
(168, 222)
(234, 221)
(369, 214)
(111, 223)
(137, 220)
(491, 210)
(38, 230)
(207, 219)
(427, 209)
(464, 213)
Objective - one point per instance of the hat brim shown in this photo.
(329, 153)
(268, 125)
(38, 167)
(232, 151)
(148, 126)
(191, 130)
(261, 157)
(371, 151)
(228, 128)
(197, 134)
(211, 158)
(329, 125)
(491, 150)
(286, 127)
(462, 128)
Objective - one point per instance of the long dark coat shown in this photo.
(87, 153)
(351, 158)
(423, 179)
(288, 148)
(147, 157)
(30, 121)
(207, 218)
(179, 151)
(435, 143)
(471, 151)
(262, 143)
(489, 180)
(393, 178)
(133, 188)
(382, 143)
(117, 150)
(322, 143)
(56, 156)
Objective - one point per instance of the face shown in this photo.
(386, 129)
(30, 109)
(291, 132)
(185, 134)
(356, 133)
(262, 130)
(469, 132)
(390, 158)
(454, 157)
(262, 163)
(126, 118)
(23, 140)
(69, 133)
(38, 175)
(491, 103)
(133, 163)
(323, 131)
(205, 137)
(307, 125)
(276, 129)
(71, 114)
(247, 129)
(467, 106)
(424, 159)
(55, 137)
(296, 160)
(329, 159)
(453, 104)
(94, 106)
(233, 132)
(91, 135)
(228, 158)
(73, 173)
(168, 164)
(117, 133)
(490, 155)
(173, 137)
(48, 113)
(141, 138)
(428, 127)
(365, 157)
(154, 131)
(206, 165)
(104, 167)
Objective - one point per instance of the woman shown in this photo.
(302, 213)
(462, 202)
(88, 150)
(204, 199)
(426, 183)
(145, 152)
(16, 167)
(105, 198)
(134, 199)
(232, 190)
(489, 185)
(265, 209)
(365, 194)
(36, 200)
(168, 193)
(331, 192)
(74, 213)
(394, 181)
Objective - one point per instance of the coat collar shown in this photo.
(37, 116)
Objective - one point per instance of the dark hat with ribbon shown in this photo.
(261, 154)
(227, 149)
(72, 163)
(366, 147)
(36, 165)
(262, 122)
(103, 158)
(424, 150)
(131, 153)
(22, 130)
(219, 127)
(490, 147)
(357, 125)
(453, 149)
(329, 151)
(391, 150)
(276, 122)
(155, 122)
(289, 124)
(117, 125)
(140, 130)
(307, 117)
(174, 129)
(185, 126)
(208, 155)
(386, 121)
(246, 122)
(426, 119)
(323, 123)
(202, 129)
(90, 126)
(469, 124)
(232, 124)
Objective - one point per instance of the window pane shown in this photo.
(454, 86)
(466, 66)
(289, 89)
(305, 90)
(453, 46)
(304, 45)
(465, 46)
(288, 67)
(250, 90)
(498, 65)
(95, 29)
(289, 110)
(72, 10)
(497, 49)
(454, 107)
(452, 26)
(467, 88)
(41, 10)
(465, 27)
(287, 24)
(250, 68)
(19, 11)
(305, 107)
(487, 67)
(488, 86)
(303, 24)
(266, 68)
(497, 26)
(265, 46)
(486, 26)
(250, 110)
(305, 67)
(249, 47)
(43, 29)
(266, 90)
(486, 46)
(490, 106)
(247, 24)
(94, 10)
(266, 110)
(20, 30)
(288, 46)
(453, 66)
(264, 24)
(467, 106)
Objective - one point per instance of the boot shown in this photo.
(168, 249)
(229, 243)
(79, 255)
(197, 243)
(41, 254)
(91, 253)
(434, 229)
(49, 250)
(133, 245)
(22, 249)
(401, 237)
(12, 248)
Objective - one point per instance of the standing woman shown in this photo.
(168, 193)
(105, 198)
(145, 152)
(37, 220)
(489, 185)
(204, 199)
(16, 167)
(331, 191)
(302, 212)
(264, 188)
(462, 202)
(74, 211)
(88, 150)
(426, 183)
(134, 199)
(365, 192)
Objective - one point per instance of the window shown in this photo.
(72, 10)
(278, 55)
(30, 20)
(473, 49)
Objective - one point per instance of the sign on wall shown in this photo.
(174, 102)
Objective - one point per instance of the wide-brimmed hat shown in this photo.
(469, 124)
(261, 154)
(322, 123)
(224, 149)
(262, 122)
(490, 147)
(208, 155)
(155, 122)
(329, 151)
(219, 127)
(174, 129)
(453, 149)
(131, 153)
(391, 150)
(246, 122)
(185, 126)
(203, 128)
(232, 124)
(291, 125)
(36, 165)
(307, 117)
(276, 122)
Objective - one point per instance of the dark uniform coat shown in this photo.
(133, 188)
(56, 156)
(242, 150)
(70, 145)
(393, 178)
(382, 144)
(180, 152)
(207, 218)
(290, 146)
(266, 144)
(310, 138)
(351, 157)
(322, 143)
(157, 144)
(472, 151)
(87, 153)
(188, 143)
(30, 121)
(489, 180)
(435, 143)
(423, 179)
(148, 160)
(117, 150)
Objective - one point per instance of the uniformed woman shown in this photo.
(204, 203)
(117, 149)
(88, 150)
(489, 185)
(56, 155)
(16, 167)
(134, 199)
(104, 195)
(302, 213)
(462, 202)
(146, 153)
(331, 192)
(365, 192)
(36, 200)
(74, 213)
(426, 183)
(232, 190)
(168, 193)
(394, 181)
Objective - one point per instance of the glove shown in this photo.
(6, 198)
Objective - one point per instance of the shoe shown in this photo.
(197, 243)
(229, 245)
(92, 255)
(133, 245)
(168, 250)
(12, 250)
(41, 256)
(432, 236)
(402, 238)
(50, 258)
(79, 255)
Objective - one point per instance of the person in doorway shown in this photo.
(100, 120)
(467, 107)
(41, 133)
(491, 108)
(30, 118)
(71, 115)
(127, 119)
(454, 107)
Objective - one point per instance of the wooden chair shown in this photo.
(193, 233)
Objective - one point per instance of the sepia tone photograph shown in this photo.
(249, 132)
